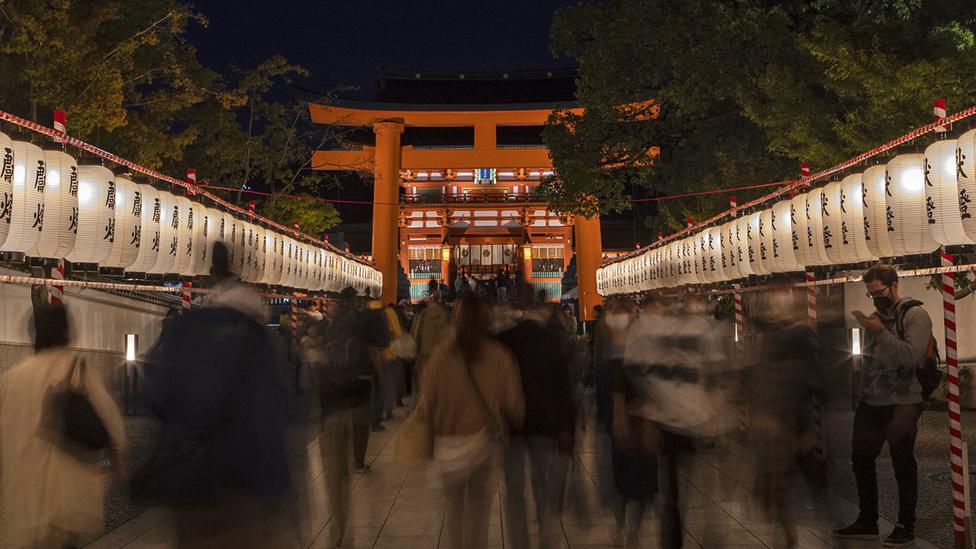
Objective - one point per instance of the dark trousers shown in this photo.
(873, 427)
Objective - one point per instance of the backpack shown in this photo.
(928, 374)
(346, 378)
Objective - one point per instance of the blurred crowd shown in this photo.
(487, 387)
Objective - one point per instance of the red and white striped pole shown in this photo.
(740, 322)
(660, 235)
(939, 112)
(61, 124)
(691, 222)
(57, 291)
(820, 442)
(250, 207)
(294, 316)
(191, 178)
(734, 205)
(956, 458)
(185, 295)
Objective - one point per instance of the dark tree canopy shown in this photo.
(747, 89)
(132, 84)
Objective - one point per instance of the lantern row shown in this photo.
(911, 205)
(53, 207)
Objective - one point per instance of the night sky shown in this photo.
(345, 42)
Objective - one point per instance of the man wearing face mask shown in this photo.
(898, 339)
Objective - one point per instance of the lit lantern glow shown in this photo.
(906, 199)
(97, 198)
(198, 239)
(149, 243)
(799, 223)
(272, 258)
(766, 240)
(852, 234)
(784, 259)
(60, 227)
(6, 186)
(966, 181)
(169, 225)
(942, 194)
(128, 223)
(730, 268)
(27, 211)
(756, 257)
(288, 271)
(260, 244)
(740, 239)
(189, 212)
(816, 236)
(837, 237)
(877, 223)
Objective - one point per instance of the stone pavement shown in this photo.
(395, 506)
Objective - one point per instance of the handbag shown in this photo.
(70, 421)
(415, 439)
(459, 456)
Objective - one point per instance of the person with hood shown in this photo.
(52, 495)
(898, 339)
(218, 390)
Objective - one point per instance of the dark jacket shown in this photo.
(550, 405)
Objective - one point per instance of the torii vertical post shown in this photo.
(386, 196)
(589, 254)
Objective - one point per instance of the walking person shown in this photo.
(547, 436)
(472, 397)
(53, 494)
(219, 391)
(428, 329)
(898, 341)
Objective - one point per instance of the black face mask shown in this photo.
(882, 303)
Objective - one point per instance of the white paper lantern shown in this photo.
(853, 235)
(878, 225)
(272, 258)
(906, 198)
(784, 259)
(753, 244)
(966, 180)
(247, 251)
(691, 272)
(798, 229)
(198, 233)
(260, 252)
(942, 194)
(6, 186)
(169, 231)
(740, 245)
(97, 200)
(765, 232)
(289, 271)
(727, 259)
(836, 234)
(187, 231)
(128, 224)
(713, 255)
(149, 241)
(27, 209)
(60, 228)
(814, 241)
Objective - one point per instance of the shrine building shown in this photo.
(456, 161)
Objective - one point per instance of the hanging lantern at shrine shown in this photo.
(246, 237)
(60, 183)
(878, 225)
(96, 213)
(169, 231)
(815, 235)
(836, 239)
(906, 201)
(260, 252)
(966, 181)
(798, 228)
(727, 259)
(27, 197)
(757, 262)
(189, 212)
(765, 230)
(126, 235)
(713, 254)
(149, 243)
(198, 235)
(288, 265)
(230, 240)
(272, 258)
(852, 233)
(942, 194)
(6, 186)
(784, 259)
(203, 255)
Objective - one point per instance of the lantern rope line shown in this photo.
(193, 189)
(122, 286)
(797, 184)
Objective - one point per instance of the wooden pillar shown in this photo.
(446, 265)
(589, 254)
(386, 196)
